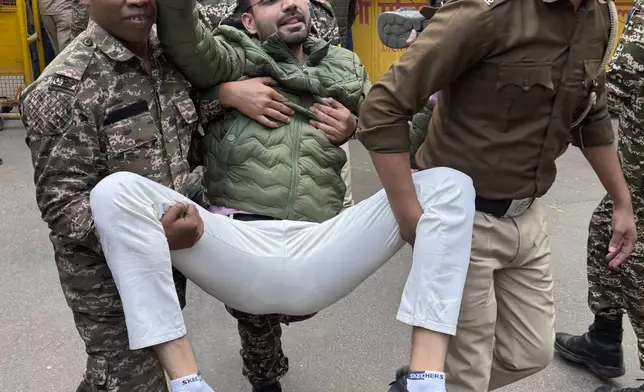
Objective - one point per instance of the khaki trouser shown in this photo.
(346, 177)
(59, 29)
(506, 325)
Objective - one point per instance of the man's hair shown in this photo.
(243, 6)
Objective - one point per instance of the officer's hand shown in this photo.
(182, 225)
(336, 121)
(624, 236)
(407, 218)
(257, 100)
(413, 34)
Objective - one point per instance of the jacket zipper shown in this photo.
(296, 150)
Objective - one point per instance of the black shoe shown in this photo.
(612, 389)
(274, 387)
(394, 27)
(600, 349)
(400, 384)
(1, 161)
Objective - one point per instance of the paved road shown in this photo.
(354, 346)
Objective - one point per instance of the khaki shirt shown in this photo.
(513, 76)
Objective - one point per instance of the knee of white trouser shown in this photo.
(449, 185)
(110, 187)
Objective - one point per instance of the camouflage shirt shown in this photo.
(97, 110)
(625, 98)
(324, 24)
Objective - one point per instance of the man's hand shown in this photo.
(605, 163)
(182, 225)
(336, 121)
(413, 34)
(407, 215)
(257, 100)
(624, 235)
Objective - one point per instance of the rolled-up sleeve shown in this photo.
(596, 128)
(459, 35)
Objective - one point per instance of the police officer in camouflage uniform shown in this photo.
(110, 102)
(611, 291)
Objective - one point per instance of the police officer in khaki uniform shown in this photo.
(517, 80)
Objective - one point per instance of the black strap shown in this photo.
(497, 208)
(252, 217)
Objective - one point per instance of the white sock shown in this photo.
(191, 383)
(427, 381)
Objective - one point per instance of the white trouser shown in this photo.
(287, 267)
(346, 177)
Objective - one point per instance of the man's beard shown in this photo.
(289, 38)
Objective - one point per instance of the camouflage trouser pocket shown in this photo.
(96, 377)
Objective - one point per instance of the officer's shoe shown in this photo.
(400, 384)
(600, 349)
(274, 387)
(394, 27)
(612, 389)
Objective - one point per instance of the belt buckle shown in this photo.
(518, 207)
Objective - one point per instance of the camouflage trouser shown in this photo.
(261, 352)
(611, 291)
(91, 293)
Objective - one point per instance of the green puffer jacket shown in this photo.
(292, 172)
(418, 128)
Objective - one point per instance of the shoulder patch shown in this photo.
(47, 112)
(63, 83)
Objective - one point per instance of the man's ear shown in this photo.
(84, 2)
(249, 23)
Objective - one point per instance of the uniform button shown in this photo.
(526, 82)
(231, 138)
(87, 42)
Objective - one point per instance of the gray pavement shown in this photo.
(355, 345)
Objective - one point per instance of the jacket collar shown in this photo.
(314, 48)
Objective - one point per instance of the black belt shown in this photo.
(497, 208)
(251, 217)
(504, 207)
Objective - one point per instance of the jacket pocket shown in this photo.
(133, 145)
(233, 135)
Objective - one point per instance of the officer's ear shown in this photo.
(84, 2)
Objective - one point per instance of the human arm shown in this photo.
(461, 33)
(206, 61)
(595, 136)
(66, 160)
(605, 163)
